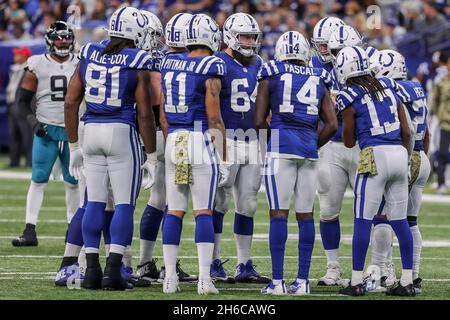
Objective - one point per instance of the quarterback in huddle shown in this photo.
(188, 110)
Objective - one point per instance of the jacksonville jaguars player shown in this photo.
(47, 76)
(156, 205)
(237, 100)
(192, 122)
(112, 78)
(412, 95)
(298, 97)
(373, 115)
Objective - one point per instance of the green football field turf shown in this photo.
(28, 273)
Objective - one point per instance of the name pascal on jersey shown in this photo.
(178, 65)
(114, 59)
(298, 69)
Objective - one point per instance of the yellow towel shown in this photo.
(367, 163)
(183, 169)
(414, 167)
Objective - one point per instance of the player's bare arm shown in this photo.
(162, 116)
(426, 140)
(74, 96)
(145, 116)
(404, 128)
(212, 103)
(262, 105)
(349, 132)
(328, 117)
(155, 87)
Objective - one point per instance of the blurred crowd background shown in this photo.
(419, 29)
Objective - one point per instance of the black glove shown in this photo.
(39, 129)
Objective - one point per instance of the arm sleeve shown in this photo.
(24, 98)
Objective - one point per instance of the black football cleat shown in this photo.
(148, 270)
(93, 278)
(417, 285)
(112, 280)
(139, 282)
(401, 291)
(354, 291)
(27, 239)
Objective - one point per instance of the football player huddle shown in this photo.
(210, 121)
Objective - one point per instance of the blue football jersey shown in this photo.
(377, 121)
(238, 94)
(413, 96)
(110, 82)
(296, 95)
(316, 63)
(183, 83)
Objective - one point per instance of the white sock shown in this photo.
(332, 256)
(417, 240)
(276, 281)
(170, 253)
(243, 246)
(71, 250)
(35, 197)
(107, 249)
(382, 238)
(128, 256)
(91, 250)
(406, 277)
(72, 199)
(146, 251)
(116, 248)
(217, 239)
(205, 253)
(82, 259)
(357, 277)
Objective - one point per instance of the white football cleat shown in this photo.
(333, 276)
(275, 289)
(388, 277)
(206, 287)
(299, 287)
(170, 285)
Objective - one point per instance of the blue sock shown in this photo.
(360, 243)
(243, 225)
(377, 221)
(122, 224)
(150, 222)
(74, 233)
(405, 241)
(217, 221)
(106, 226)
(306, 238)
(204, 230)
(330, 232)
(92, 224)
(277, 243)
(171, 231)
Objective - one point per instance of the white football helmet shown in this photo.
(341, 37)
(351, 62)
(174, 30)
(292, 45)
(321, 34)
(202, 30)
(392, 65)
(128, 23)
(374, 61)
(241, 24)
(153, 33)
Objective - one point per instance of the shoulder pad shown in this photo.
(211, 66)
(268, 69)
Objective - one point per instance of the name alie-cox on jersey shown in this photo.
(114, 59)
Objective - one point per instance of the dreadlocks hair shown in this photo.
(116, 45)
(369, 84)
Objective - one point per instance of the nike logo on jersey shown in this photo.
(114, 59)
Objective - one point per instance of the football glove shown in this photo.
(149, 166)
(40, 129)
(76, 161)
